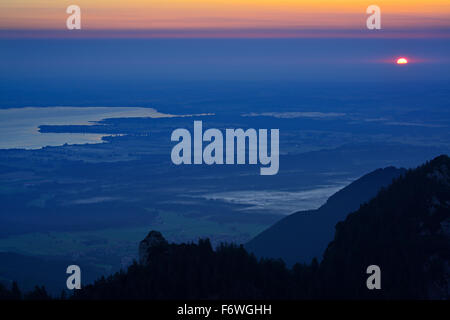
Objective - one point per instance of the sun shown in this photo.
(402, 61)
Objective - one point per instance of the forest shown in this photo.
(404, 230)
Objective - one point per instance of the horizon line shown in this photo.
(223, 33)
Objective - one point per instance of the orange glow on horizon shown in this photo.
(211, 14)
(402, 61)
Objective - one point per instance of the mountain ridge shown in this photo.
(304, 235)
(405, 230)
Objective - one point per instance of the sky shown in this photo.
(310, 41)
(283, 16)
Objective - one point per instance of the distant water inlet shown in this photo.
(279, 202)
(19, 126)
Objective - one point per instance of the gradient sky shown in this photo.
(219, 14)
(323, 47)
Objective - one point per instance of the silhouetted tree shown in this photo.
(39, 293)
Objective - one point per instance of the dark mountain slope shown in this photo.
(405, 230)
(193, 271)
(304, 235)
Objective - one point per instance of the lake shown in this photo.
(19, 127)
